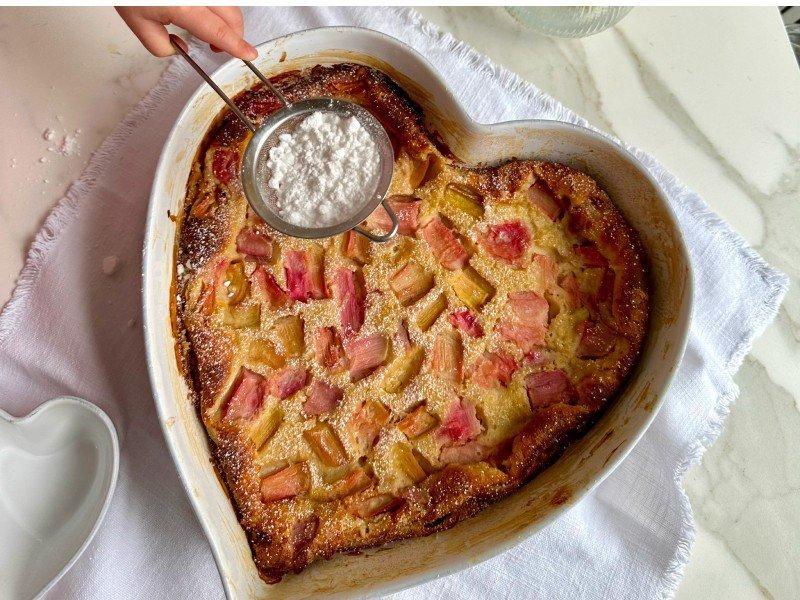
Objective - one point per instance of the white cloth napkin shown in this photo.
(71, 329)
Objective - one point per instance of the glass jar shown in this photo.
(569, 21)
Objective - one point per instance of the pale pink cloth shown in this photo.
(71, 329)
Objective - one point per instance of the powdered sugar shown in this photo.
(324, 171)
(68, 146)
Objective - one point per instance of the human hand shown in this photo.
(221, 26)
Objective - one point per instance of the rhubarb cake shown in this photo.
(358, 393)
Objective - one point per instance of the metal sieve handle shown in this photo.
(386, 236)
(176, 43)
(267, 83)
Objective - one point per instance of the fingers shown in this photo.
(212, 28)
(221, 26)
(150, 31)
(232, 16)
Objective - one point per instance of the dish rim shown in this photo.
(684, 314)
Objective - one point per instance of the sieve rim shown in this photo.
(249, 166)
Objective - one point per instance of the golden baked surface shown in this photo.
(356, 393)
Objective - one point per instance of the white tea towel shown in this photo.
(71, 329)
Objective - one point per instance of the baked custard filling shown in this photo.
(358, 393)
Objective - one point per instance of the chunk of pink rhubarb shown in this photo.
(350, 294)
(507, 241)
(224, 164)
(328, 348)
(548, 269)
(366, 423)
(407, 210)
(305, 273)
(542, 198)
(254, 242)
(322, 398)
(370, 507)
(265, 285)
(286, 483)
(572, 289)
(366, 354)
(287, 381)
(493, 369)
(525, 321)
(546, 388)
(471, 452)
(465, 320)
(356, 481)
(461, 423)
(444, 245)
(247, 397)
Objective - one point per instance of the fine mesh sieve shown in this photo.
(255, 173)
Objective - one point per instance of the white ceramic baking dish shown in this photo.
(522, 514)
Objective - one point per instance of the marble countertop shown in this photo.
(713, 93)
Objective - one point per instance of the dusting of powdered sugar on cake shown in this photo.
(324, 171)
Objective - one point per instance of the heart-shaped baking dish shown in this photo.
(58, 469)
(512, 519)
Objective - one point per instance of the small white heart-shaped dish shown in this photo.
(58, 470)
